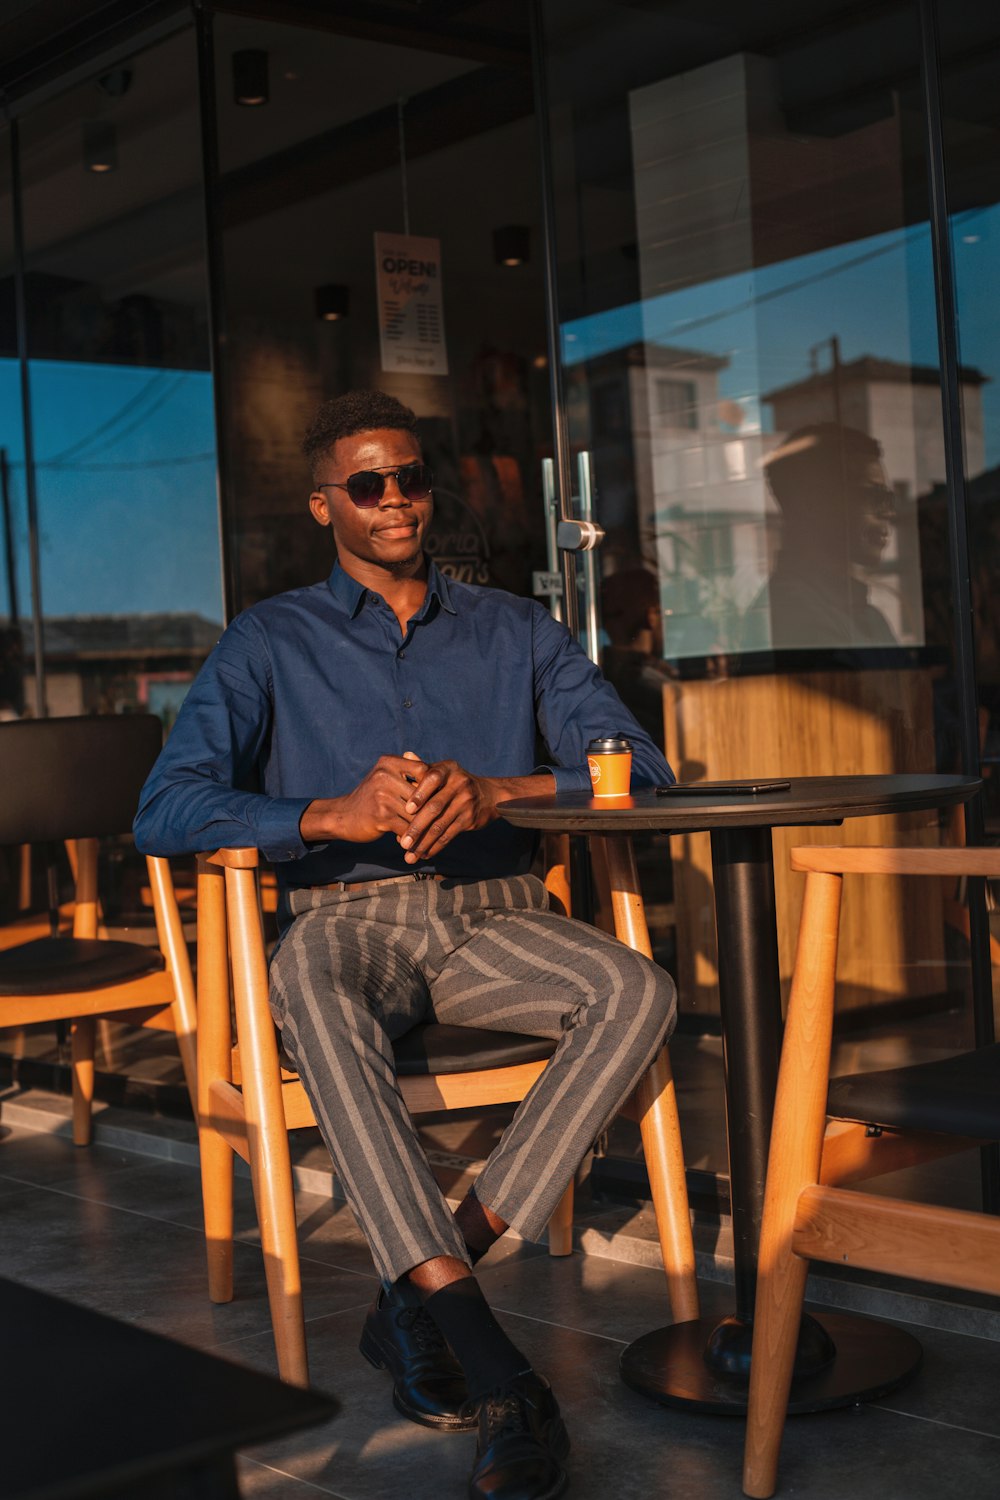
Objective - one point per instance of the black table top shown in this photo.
(809, 799)
(91, 1404)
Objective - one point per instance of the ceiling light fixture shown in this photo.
(332, 302)
(250, 77)
(100, 146)
(512, 245)
(117, 83)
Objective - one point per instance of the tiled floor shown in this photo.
(121, 1232)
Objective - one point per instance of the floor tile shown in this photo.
(259, 1481)
(28, 1156)
(958, 1382)
(170, 1191)
(144, 1270)
(591, 1294)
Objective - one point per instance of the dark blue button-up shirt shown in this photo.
(305, 691)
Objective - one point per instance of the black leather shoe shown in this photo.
(428, 1385)
(523, 1443)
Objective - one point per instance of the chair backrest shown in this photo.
(74, 778)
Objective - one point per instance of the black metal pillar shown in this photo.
(965, 658)
(205, 41)
(30, 489)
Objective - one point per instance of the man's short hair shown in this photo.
(824, 454)
(354, 412)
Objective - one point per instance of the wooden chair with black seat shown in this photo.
(248, 1102)
(828, 1132)
(78, 779)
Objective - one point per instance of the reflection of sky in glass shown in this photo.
(12, 441)
(126, 487)
(877, 295)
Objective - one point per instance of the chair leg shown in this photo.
(660, 1127)
(656, 1100)
(83, 1032)
(170, 933)
(561, 1224)
(781, 1291)
(214, 1061)
(793, 1164)
(267, 1136)
(217, 1203)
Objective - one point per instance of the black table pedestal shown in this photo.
(872, 1359)
(705, 1365)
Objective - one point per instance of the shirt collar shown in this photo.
(351, 594)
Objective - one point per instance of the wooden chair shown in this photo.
(248, 1103)
(79, 779)
(904, 1115)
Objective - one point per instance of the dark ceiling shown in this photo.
(37, 36)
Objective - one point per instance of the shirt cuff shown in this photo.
(278, 836)
(571, 778)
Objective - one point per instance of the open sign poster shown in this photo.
(411, 320)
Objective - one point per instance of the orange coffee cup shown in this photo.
(610, 763)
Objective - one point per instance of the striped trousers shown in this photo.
(359, 967)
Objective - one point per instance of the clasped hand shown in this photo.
(445, 800)
(425, 806)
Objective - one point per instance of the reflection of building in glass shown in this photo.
(672, 461)
(899, 404)
(122, 663)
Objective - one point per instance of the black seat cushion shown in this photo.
(54, 966)
(953, 1096)
(465, 1049)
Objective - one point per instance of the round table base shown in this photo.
(872, 1359)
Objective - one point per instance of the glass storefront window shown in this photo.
(121, 392)
(748, 320)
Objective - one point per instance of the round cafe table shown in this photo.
(704, 1365)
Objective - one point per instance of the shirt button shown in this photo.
(401, 655)
(407, 703)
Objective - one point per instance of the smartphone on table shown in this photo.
(723, 788)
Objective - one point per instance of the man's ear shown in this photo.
(319, 508)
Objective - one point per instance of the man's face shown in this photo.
(388, 535)
(873, 513)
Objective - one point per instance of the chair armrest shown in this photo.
(859, 859)
(235, 859)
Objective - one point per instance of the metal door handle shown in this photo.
(579, 536)
(566, 534)
(554, 579)
(595, 535)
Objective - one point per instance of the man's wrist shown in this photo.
(509, 788)
(319, 820)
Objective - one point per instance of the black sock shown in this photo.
(474, 1227)
(480, 1345)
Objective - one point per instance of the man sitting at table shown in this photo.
(386, 715)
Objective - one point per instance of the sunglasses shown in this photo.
(367, 486)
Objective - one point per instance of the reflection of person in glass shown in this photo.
(837, 510)
(633, 663)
